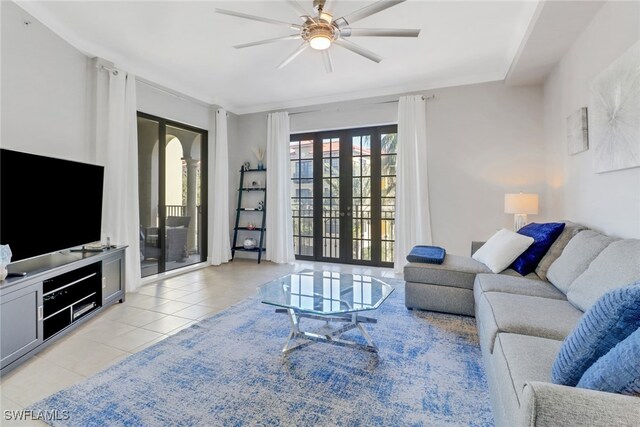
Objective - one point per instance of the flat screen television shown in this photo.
(48, 204)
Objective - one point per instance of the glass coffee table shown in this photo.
(326, 296)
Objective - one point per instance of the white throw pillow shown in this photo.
(502, 249)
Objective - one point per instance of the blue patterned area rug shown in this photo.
(228, 371)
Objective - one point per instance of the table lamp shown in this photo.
(520, 204)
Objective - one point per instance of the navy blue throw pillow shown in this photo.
(428, 254)
(543, 235)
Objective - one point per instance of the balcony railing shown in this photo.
(177, 210)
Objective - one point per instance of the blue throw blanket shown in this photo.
(428, 254)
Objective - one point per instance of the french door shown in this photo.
(343, 195)
(172, 189)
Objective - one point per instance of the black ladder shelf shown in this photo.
(258, 249)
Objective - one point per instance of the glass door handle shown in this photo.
(341, 213)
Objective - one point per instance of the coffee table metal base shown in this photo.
(353, 321)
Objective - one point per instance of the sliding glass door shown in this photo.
(343, 195)
(172, 194)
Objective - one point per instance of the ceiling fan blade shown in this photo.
(378, 32)
(359, 14)
(358, 49)
(276, 39)
(293, 55)
(298, 8)
(257, 18)
(328, 6)
(326, 60)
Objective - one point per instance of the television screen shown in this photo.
(48, 204)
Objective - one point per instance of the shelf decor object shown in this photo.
(250, 243)
(259, 152)
(5, 259)
(614, 114)
(520, 205)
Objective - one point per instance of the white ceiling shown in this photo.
(187, 47)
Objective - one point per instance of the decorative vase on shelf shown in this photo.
(259, 152)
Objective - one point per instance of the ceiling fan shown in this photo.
(321, 30)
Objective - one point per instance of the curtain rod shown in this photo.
(426, 98)
(103, 67)
(115, 72)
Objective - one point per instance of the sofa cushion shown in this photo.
(570, 230)
(611, 319)
(498, 312)
(444, 299)
(526, 358)
(457, 271)
(515, 285)
(543, 237)
(512, 272)
(618, 371)
(617, 265)
(502, 249)
(576, 257)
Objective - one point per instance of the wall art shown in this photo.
(614, 114)
(577, 132)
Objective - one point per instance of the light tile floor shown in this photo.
(149, 315)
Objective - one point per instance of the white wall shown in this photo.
(483, 140)
(609, 202)
(45, 107)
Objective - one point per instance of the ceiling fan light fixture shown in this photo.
(320, 42)
(319, 36)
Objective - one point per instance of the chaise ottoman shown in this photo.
(446, 287)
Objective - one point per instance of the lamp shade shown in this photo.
(520, 203)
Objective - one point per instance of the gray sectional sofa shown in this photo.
(522, 322)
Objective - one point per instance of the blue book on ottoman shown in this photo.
(428, 254)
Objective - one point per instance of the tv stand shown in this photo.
(58, 293)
